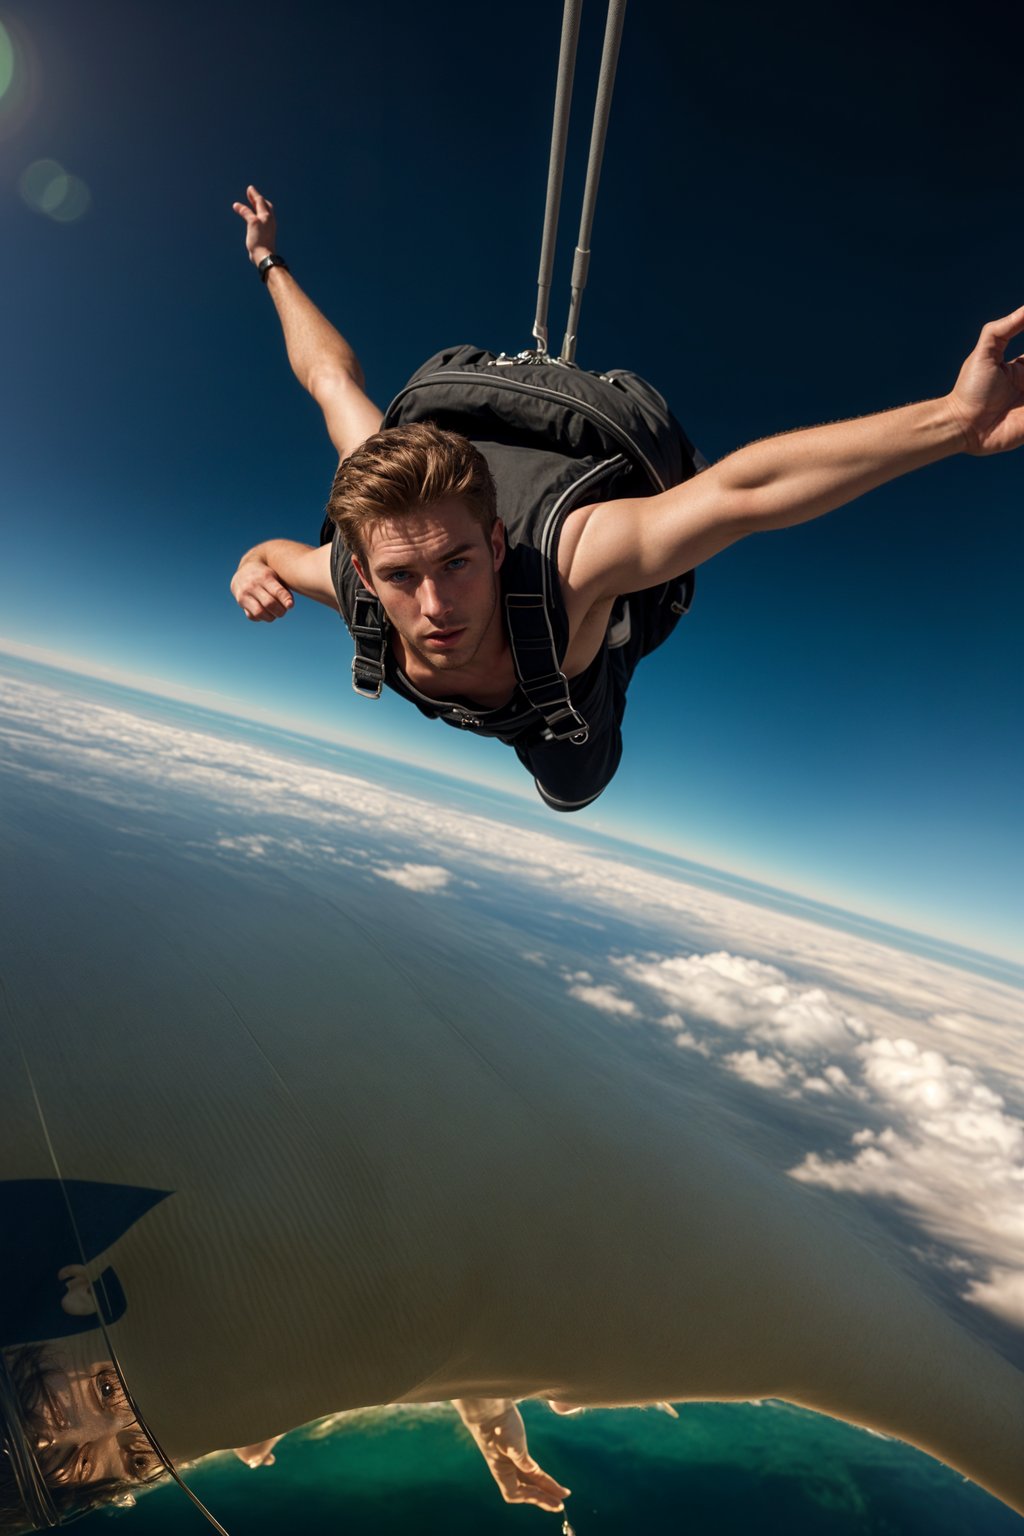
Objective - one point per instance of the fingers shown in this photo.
(1000, 332)
(260, 603)
(262, 205)
(261, 209)
(262, 607)
(529, 1485)
(522, 1481)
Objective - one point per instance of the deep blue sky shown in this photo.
(804, 215)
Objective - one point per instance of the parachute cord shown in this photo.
(556, 165)
(602, 111)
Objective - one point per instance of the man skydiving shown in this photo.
(414, 509)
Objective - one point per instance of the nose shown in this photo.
(434, 601)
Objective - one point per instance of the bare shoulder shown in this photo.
(570, 566)
(589, 550)
(587, 608)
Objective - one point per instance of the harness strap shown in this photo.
(536, 662)
(369, 631)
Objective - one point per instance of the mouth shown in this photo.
(443, 639)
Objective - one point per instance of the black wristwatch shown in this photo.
(273, 260)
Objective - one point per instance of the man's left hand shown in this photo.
(988, 397)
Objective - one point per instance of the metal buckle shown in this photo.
(503, 360)
(374, 675)
(579, 732)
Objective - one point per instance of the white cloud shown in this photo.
(1002, 1293)
(747, 996)
(415, 877)
(683, 1037)
(249, 847)
(950, 1153)
(909, 1046)
(940, 1142)
(762, 1071)
(607, 999)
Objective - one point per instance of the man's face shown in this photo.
(89, 1433)
(435, 572)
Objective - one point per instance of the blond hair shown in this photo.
(403, 470)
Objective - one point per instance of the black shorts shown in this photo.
(569, 777)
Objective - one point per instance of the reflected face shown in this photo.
(435, 573)
(88, 1432)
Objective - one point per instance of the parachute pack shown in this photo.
(555, 438)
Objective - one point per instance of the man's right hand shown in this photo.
(260, 594)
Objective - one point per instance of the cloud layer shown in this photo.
(919, 1064)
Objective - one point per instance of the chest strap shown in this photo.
(533, 655)
(536, 662)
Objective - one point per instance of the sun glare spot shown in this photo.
(48, 188)
(18, 77)
(6, 61)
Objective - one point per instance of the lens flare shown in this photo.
(74, 203)
(6, 61)
(18, 77)
(43, 184)
(46, 187)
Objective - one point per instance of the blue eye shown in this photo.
(454, 564)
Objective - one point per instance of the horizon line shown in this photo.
(230, 708)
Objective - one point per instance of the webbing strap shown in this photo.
(369, 629)
(536, 662)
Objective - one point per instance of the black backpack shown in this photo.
(555, 438)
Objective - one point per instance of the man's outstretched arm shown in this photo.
(321, 358)
(268, 575)
(625, 546)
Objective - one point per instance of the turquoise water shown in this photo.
(719, 1468)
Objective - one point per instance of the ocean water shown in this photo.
(721, 1469)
